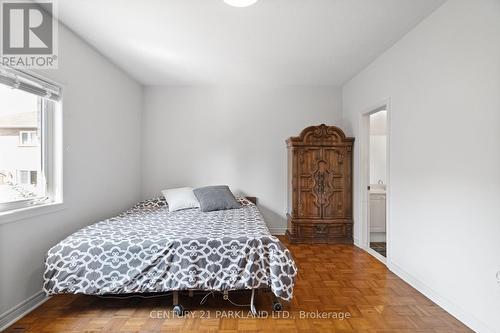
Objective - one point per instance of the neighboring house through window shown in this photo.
(27, 177)
(28, 138)
(27, 141)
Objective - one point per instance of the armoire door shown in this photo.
(334, 189)
(309, 199)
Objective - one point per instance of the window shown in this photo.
(27, 177)
(29, 136)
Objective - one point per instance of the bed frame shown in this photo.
(179, 310)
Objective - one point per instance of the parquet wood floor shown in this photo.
(335, 280)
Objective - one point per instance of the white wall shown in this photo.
(443, 80)
(101, 111)
(195, 136)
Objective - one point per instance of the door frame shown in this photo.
(364, 176)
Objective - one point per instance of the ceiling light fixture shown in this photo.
(240, 3)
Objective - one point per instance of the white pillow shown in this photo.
(180, 198)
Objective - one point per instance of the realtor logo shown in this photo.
(28, 34)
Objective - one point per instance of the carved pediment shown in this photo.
(319, 135)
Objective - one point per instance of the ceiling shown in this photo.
(289, 42)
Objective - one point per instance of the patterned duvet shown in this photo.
(149, 249)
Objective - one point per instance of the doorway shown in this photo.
(375, 184)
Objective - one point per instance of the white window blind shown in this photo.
(18, 79)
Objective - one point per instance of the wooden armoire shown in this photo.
(320, 186)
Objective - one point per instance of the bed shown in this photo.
(148, 249)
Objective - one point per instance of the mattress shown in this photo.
(148, 249)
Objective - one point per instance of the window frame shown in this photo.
(51, 161)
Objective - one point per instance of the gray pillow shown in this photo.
(215, 198)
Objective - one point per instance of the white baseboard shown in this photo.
(376, 255)
(11, 316)
(468, 319)
(277, 231)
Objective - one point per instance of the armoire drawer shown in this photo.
(306, 231)
(322, 231)
(337, 230)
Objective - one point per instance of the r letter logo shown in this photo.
(28, 34)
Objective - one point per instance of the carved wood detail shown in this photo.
(320, 186)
